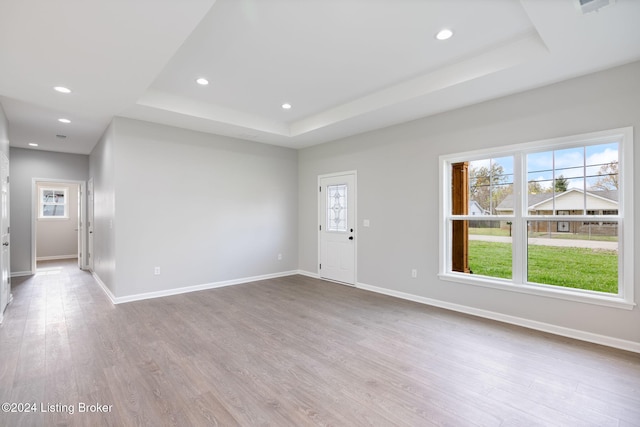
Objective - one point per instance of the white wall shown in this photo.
(58, 237)
(205, 209)
(26, 165)
(398, 192)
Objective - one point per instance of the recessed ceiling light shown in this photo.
(62, 89)
(444, 34)
(33, 144)
(64, 120)
(286, 106)
(202, 81)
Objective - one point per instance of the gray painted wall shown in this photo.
(58, 237)
(398, 191)
(102, 170)
(25, 166)
(203, 208)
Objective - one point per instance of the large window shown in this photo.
(545, 217)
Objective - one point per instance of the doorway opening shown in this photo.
(58, 222)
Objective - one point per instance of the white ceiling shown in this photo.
(346, 66)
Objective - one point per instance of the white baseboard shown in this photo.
(519, 321)
(187, 289)
(104, 287)
(308, 274)
(21, 273)
(56, 257)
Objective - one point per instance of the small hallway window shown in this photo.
(53, 203)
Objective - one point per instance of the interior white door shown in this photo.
(337, 228)
(90, 223)
(80, 228)
(5, 286)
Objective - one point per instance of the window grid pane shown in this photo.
(53, 203)
(573, 254)
(490, 248)
(580, 180)
(490, 184)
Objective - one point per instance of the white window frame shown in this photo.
(625, 297)
(41, 203)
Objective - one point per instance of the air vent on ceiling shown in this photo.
(588, 6)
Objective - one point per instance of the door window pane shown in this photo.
(337, 207)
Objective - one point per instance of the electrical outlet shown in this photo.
(156, 271)
(279, 257)
(414, 273)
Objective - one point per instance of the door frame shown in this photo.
(89, 222)
(5, 264)
(82, 247)
(355, 216)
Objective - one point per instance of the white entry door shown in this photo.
(337, 228)
(5, 286)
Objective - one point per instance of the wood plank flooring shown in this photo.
(293, 351)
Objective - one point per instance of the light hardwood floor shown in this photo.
(293, 351)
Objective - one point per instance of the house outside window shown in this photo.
(554, 218)
(53, 203)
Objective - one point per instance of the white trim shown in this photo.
(308, 274)
(21, 273)
(625, 167)
(337, 282)
(104, 287)
(317, 276)
(513, 320)
(188, 289)
(51, 258)
(549, 291)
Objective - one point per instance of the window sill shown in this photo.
(56, 218)
(542, 290)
